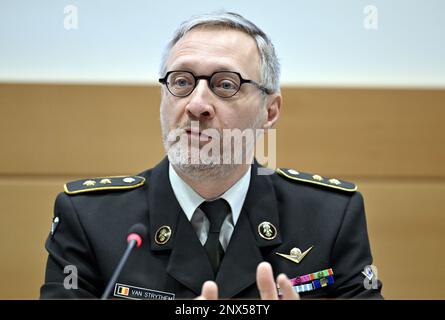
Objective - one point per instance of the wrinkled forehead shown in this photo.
(204, 50)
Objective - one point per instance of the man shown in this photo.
(216, 227)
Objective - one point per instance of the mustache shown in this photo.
(196, 124)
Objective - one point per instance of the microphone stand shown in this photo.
(118, 270)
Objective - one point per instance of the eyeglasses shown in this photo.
(224, 84)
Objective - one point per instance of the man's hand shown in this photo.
(209, 291)
(268, 287)
(265, 282)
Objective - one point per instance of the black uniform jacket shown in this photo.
(92, 228)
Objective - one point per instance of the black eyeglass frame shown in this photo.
(196, 78)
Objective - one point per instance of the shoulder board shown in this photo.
(317, 179)
(106, 183)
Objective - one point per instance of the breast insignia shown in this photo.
(317, 179)
(295, 254)
(108, 183)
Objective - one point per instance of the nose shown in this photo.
(200, 107)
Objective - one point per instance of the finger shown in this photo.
(265, 282)
(209, 291)
(287, 291)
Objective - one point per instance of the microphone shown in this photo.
(134, 238)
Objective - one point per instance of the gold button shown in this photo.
(267, 230)
(163, 235)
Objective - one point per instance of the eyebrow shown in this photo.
(186, 66)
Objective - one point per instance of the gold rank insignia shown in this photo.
(99, 184)
(128, 180)
(163, 235)
(89, 183)
(295, 254)
(267, 230)
(317, 179)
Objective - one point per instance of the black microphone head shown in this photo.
(139, 229)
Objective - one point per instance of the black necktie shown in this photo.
(216, 211)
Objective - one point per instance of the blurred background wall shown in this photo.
(362, 101)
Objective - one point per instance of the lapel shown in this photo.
(188, 262)
(244, 252)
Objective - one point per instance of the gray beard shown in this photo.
(213, 168)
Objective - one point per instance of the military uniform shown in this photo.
(299, 223)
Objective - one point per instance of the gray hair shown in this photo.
(269, 65)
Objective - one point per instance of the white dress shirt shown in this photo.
(190, 200)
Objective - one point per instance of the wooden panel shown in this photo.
(405, 221)
(69, 130)
(363, 132)
(26, 208)
(81, 130)
(100, 130)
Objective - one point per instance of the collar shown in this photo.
(189, 199)
(260, 204)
